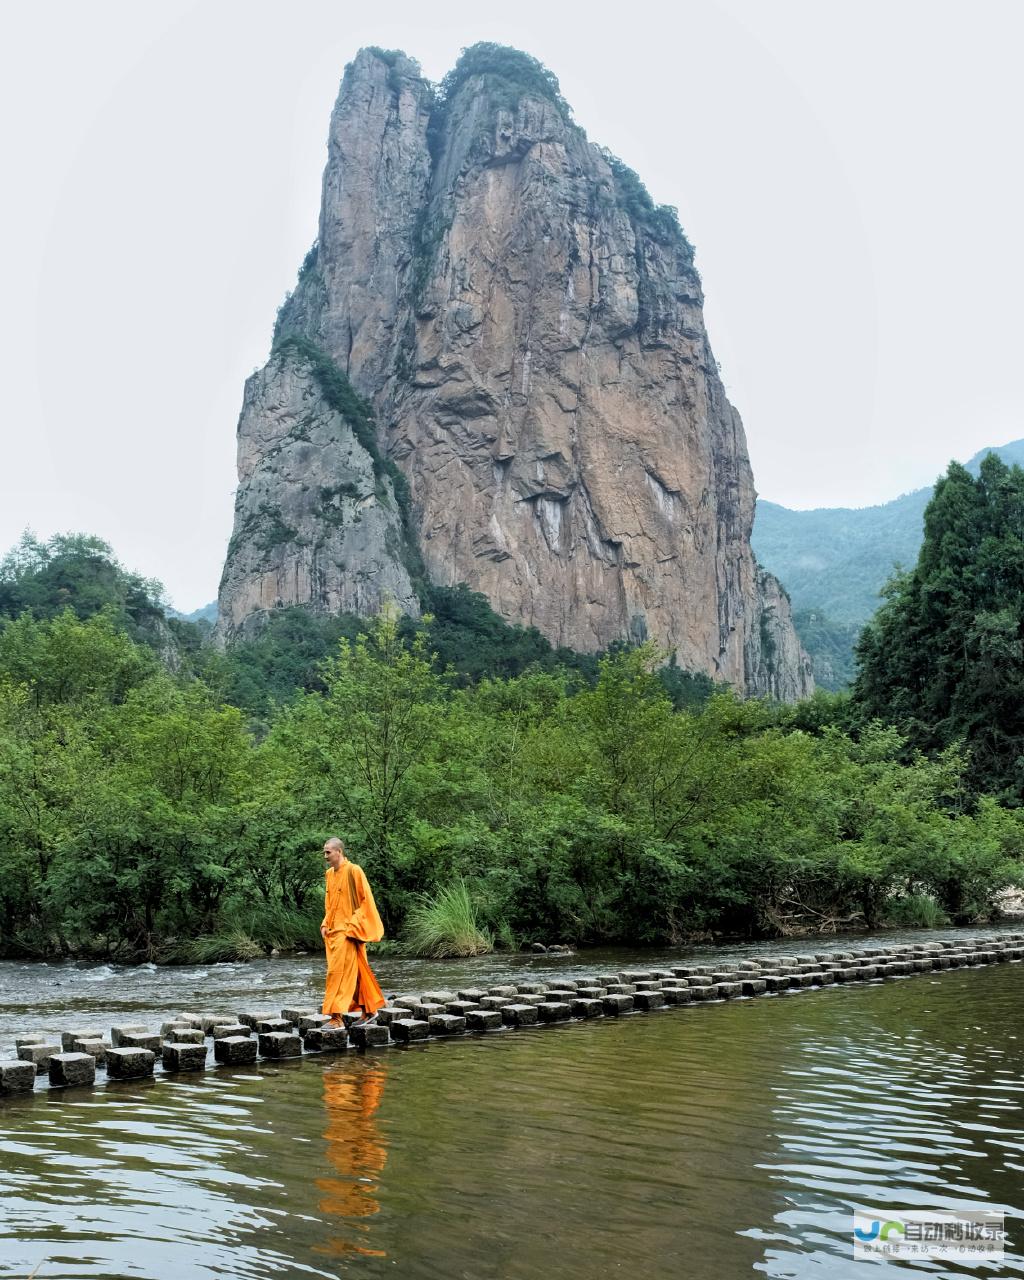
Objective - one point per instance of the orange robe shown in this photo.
(350, 915)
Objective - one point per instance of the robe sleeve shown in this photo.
(326, 903)
(364, 923)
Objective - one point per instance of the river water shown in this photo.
(713, 1141)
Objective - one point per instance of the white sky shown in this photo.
(845, 169)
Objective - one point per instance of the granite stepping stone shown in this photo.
(118, 1033)
(17, 1076)
(280, 1044)
(68, 1069)
(125, 1063)
(184, 1057)
(483, 1019)
(325, 1040)
(519, 1015)
(446, 1024)
(235, 1050)
(370, 1035)
(68, 1038)
(39, 1055)
(225, 1030)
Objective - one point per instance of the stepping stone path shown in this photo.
(182, 1044)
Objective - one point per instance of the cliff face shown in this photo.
(529, 330)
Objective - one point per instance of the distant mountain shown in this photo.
(208, 613)
(833, 561)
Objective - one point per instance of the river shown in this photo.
(714, 1141)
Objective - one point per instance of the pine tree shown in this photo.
(943, 658)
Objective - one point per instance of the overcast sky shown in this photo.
(849, 173)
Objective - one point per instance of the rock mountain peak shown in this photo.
(494, 370)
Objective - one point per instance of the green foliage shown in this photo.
(660, 220)
(81, 573)
(501, 64)
(944, 656)
(490, 799)
(446, 924)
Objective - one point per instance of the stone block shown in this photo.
(140, 1040)
(228, 1030)
(639, 975)
(530, 988)
(591, 992)
(125, 1063)
(186, 1035)
(19, 1041)
(618, 988)
(96, 1049)
(754, 986)
(17, 1076)
(553, 1011)
(39, 1055)
(253, 1020)
(280, 1044)
(460, 1007)
(591, 1007)
(559, 995)
(68, 1038)
(484, 1019)
(427, 1011)
(446, 1024)
(649, 1000)
(192, 1020)
(519, 1015)
(406, 1030)
(496, 1002)
(169, 1030)
(311, 1021)
(473, 994)
(603, 979)
(179, 1056)
(235, 1050)
(389, 1014)
(648, 984)
(615, 1003)
(118, 1033)
(676, 995)
(371, 1035)
(271, 1026)
(211, 1020)
(706, 992)
(438, 997)
(294, 1015)
(325, 1040)
(503, 990)
(778, 982)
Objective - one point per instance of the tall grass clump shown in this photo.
(446, 925)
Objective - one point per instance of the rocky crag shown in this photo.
(494, 370)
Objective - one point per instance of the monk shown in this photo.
(350, 921)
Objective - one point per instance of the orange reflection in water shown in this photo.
(356, 1150)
